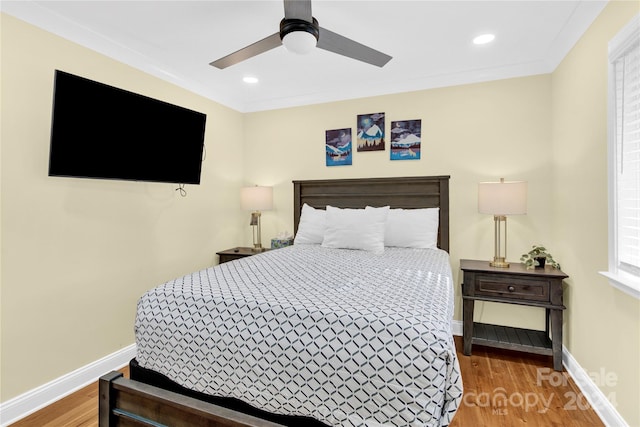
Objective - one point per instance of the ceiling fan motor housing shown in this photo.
(292, 25)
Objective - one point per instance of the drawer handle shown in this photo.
(511, 288)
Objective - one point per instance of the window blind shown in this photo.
(627, 86)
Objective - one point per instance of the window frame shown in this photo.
(626, 281)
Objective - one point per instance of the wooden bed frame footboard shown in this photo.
(125, 402)
(146, 376)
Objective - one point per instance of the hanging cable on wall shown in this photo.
(182, 190)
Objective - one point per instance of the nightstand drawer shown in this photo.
(499, 286)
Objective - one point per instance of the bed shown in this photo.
(314, 335)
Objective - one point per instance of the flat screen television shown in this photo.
(100, 131)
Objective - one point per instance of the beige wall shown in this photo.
(78, 253)
(603, 327)
(92, 247)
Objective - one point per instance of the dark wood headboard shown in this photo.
(408, 192)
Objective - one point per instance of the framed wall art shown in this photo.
(371, 132)
(406, 137)
(338, 147)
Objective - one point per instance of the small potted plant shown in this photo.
(538, 257)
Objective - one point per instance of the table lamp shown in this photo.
(256, 199)
(501, 199)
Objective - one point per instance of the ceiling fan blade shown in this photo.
(250, 51)
(297, 9)
(341, 45)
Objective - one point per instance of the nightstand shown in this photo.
(236, 253)
(514, 285)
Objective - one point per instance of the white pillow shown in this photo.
(311, 226)
(355, 228)
(412, 228)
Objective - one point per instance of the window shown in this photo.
(624, 159)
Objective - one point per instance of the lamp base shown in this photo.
(255, 224)
(499, 258)
(499, 262)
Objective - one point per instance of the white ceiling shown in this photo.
(430, 41)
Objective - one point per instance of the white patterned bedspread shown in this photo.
(344, 336)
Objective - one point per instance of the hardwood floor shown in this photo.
(502, 389)
(507, 388)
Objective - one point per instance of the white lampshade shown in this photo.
(502, 198)
(300, 42)
(256, 198)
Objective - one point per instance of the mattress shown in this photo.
(344, 336)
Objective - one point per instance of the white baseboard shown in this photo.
(456, 327)
(33, 400)
(596, 398)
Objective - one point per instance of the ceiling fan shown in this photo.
(300, 33)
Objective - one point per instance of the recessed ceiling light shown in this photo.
(250, 80)
(484, 38)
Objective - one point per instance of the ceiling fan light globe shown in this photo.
(300, 42)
